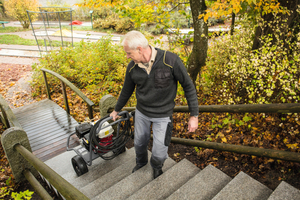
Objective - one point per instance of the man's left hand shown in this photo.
(193, 124)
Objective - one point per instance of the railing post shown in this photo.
(106, 104)
(17, 162)
(47, 86)
(90, 110)
(38, 188)
(65, 97)
(4, 118)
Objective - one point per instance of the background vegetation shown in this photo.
(235, 72)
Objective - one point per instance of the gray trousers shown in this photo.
(162, 131)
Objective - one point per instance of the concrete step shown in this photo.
(285, 191)
(204, 186)
(168, 182)
(109, 179)
(132, 183)
(113, 179)
(243, 187)
(98, 169)
(61, 164)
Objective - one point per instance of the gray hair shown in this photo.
(135, 39)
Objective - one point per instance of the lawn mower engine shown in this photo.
(104, 137)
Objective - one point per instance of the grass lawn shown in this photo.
(10, 29)
(17, 40)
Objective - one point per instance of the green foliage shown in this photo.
(268, 75)
(22, 195)
(124, 25)
(112, 22)
(78, 13)
(102, 12)
(98, 68)
(180, 44)
(106, 23)
(5, 191)
(179, 19)
(2, 10)
(57, 12)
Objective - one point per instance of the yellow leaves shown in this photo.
(292, 146)
(222, 137)
(277, 137)
(224, 8)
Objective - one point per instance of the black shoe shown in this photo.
(137, 167)
(157, 173)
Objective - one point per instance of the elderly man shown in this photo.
(155, 74)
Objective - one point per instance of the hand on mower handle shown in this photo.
(114, 115)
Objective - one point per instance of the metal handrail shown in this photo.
(67, 190)
(64, 82)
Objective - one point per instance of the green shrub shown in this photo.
(124, 25)
(239, 75)
(107, 23)
(114, 23)
(98, 68)
(102, 12)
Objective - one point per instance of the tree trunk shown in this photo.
(288, 21)
(232, 23)
(199, 53)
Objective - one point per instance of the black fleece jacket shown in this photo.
(155, 93)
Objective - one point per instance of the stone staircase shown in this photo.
(113, 179)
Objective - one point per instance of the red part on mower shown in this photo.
(104, 142)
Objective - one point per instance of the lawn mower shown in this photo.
(100, 139)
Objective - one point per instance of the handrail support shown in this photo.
(65, 96)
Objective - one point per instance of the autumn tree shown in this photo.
(285, 20)
(280, 14)
(158, 12)
(199, 53)
(18, 10)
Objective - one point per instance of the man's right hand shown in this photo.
(114, 115)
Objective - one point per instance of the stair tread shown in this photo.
(285, 191)
(244, 187)
(61, 164)
(168, 182)
(205, 185)
(98, 169)
(109, 179)
(132, 183)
